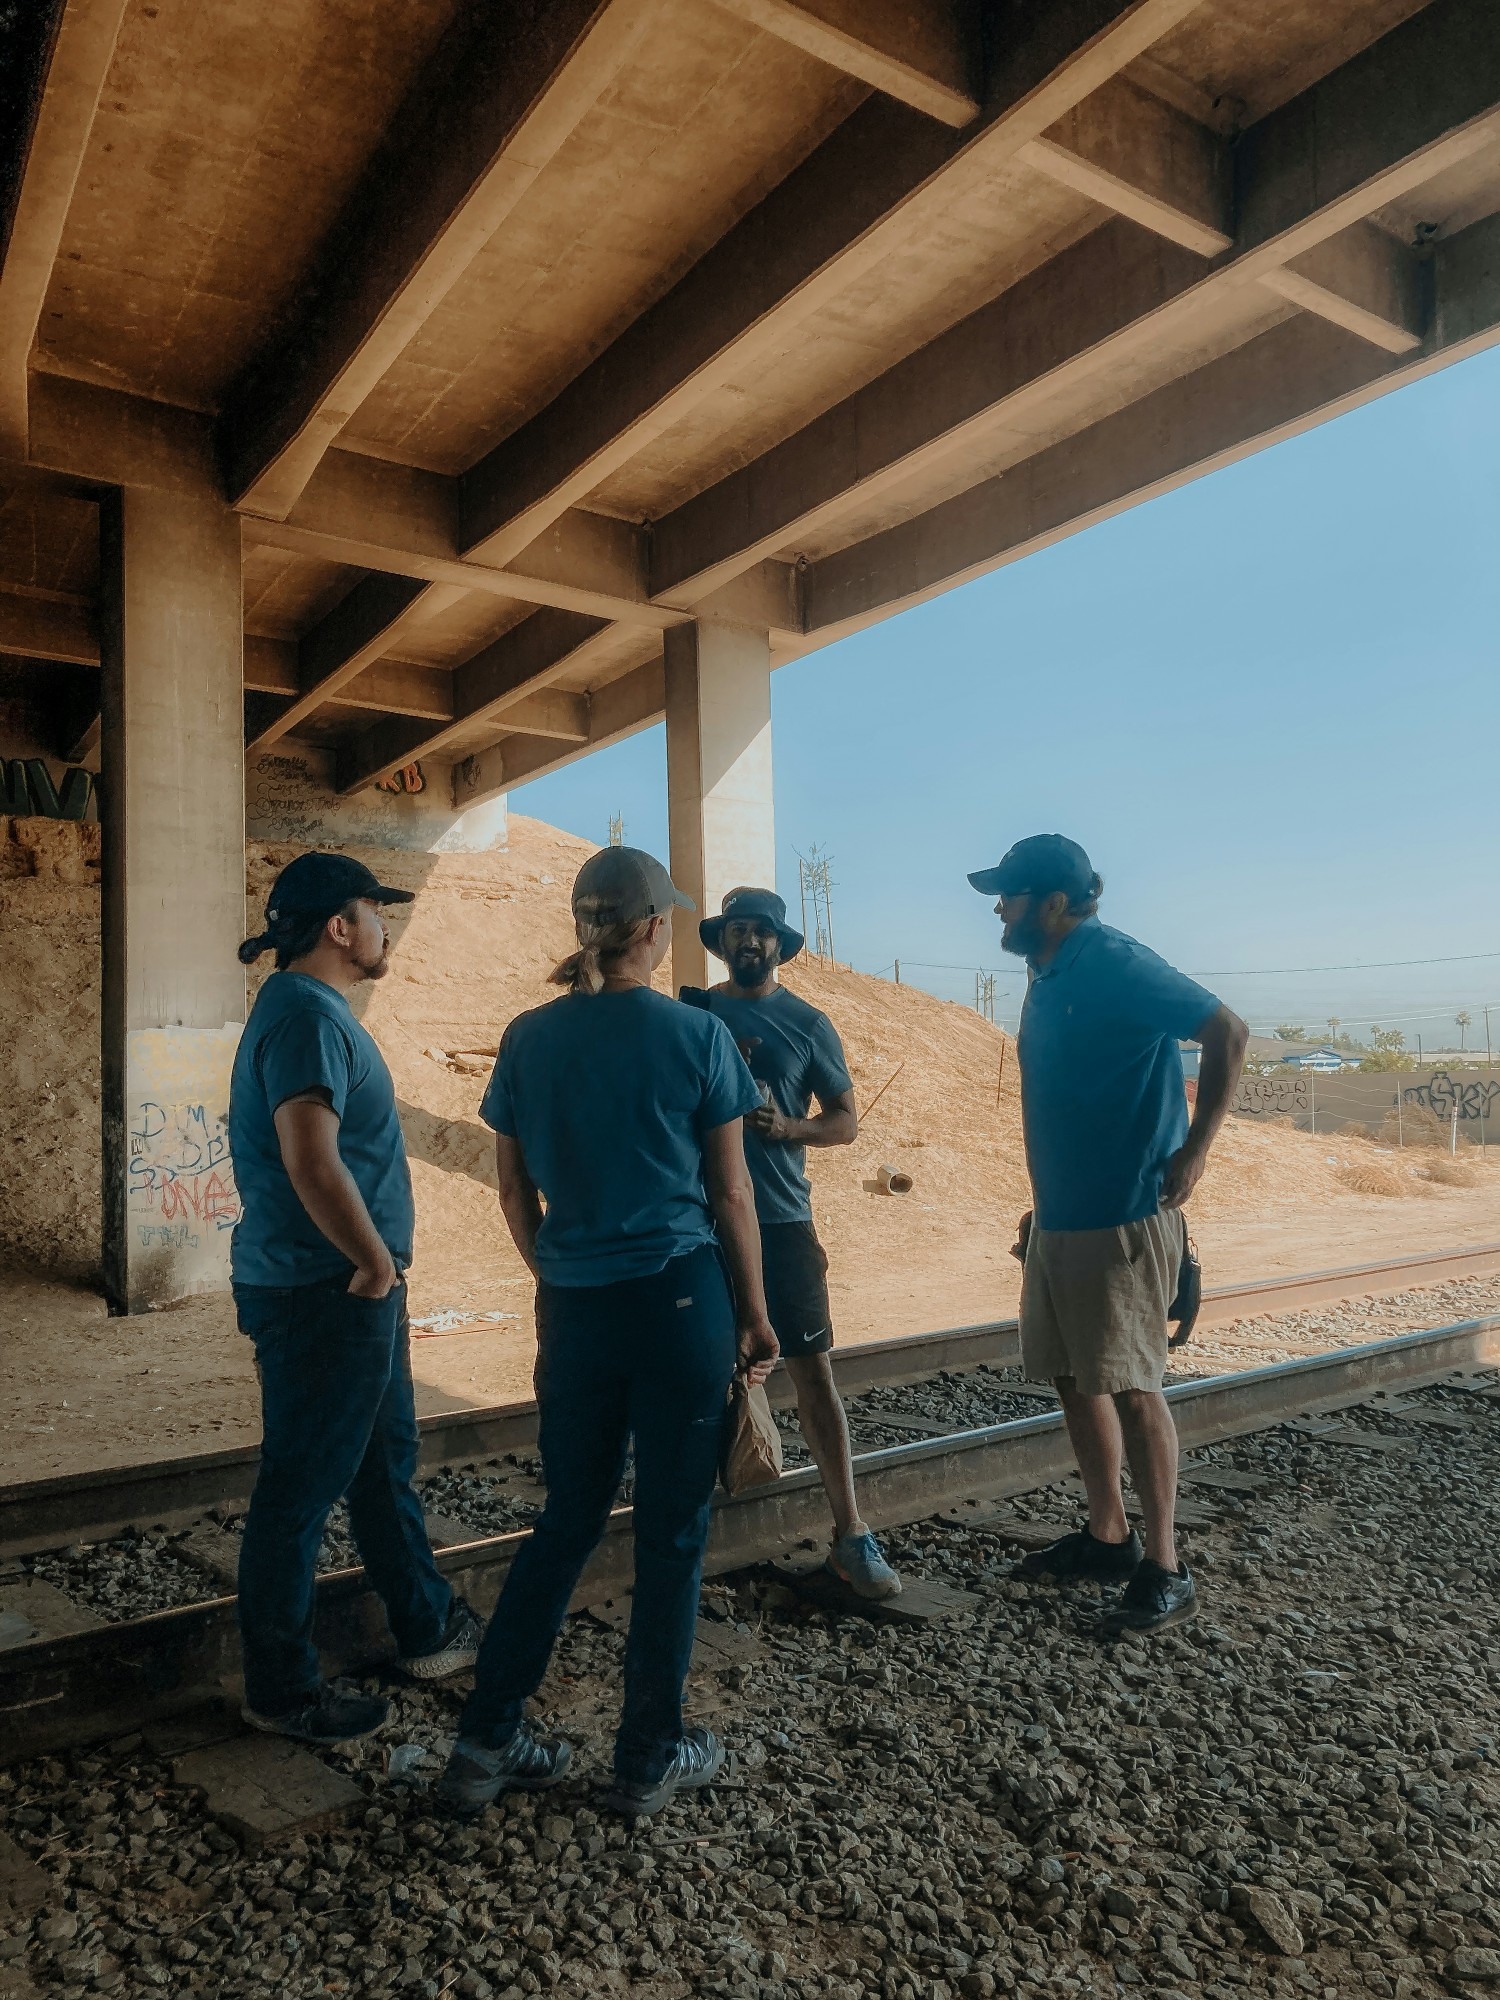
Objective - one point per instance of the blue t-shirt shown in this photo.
(302, 1035)
(609, 1096)
(1102, 1098)
(796, 1050)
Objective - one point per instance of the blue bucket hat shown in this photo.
(745, 906)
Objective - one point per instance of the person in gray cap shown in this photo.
(318, 1262)
(1112, 1159)
(795, 1056)
(622, 1111)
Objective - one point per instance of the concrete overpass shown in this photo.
(479, 381)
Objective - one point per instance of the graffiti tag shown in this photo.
(180, 1169)
(27, 790)
(1443, 1094)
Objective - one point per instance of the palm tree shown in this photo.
(1463, 1021)
(1334, 1024)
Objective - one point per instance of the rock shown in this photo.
(1474, 1963)
(1271, 1918)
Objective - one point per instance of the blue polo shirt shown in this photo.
(609, 1096)
(302, 1035)
(1102, 1099)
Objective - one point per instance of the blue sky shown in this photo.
(1267, 704)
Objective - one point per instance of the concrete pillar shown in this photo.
(173, 813)
(719, 799)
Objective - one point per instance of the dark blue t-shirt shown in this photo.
(302, 1035)
(1102, 1098)
(609, 1096)
(796, 1050)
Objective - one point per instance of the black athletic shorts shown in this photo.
(796, 1268)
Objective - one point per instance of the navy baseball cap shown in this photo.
(1040, 865)
(319, 885)
(625, 885)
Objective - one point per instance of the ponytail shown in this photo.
(291, 934)
(582, 971)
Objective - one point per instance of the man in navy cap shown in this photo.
(795, 1056)
(318, 1261)
(1112, 1159)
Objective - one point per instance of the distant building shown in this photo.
(1320, 1057)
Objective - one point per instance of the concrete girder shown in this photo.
(82, 46)
(922, 52)
(1298, 374)
(1114, 297)
(360, 629)
(623, 708)
(1132, 153)
(501, 94)
(830, 221)
(42, 628)
(518, 664)
(1363, 280)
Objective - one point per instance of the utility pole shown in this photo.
(898, 975)
(815, 884)
(617, 829)
(1489, 1054)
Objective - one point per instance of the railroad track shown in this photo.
(107, 1680)
(174, 1494)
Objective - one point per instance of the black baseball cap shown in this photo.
(625, 885)
(1040, 865)
(319, 885)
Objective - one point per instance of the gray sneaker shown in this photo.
(858, 1560)
(477, 1775)
(697, 1760)
(456, 1651)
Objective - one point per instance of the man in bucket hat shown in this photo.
(1112, 1159)
(318, 1264)
(795, 1056)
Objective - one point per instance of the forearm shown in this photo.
(827, 1128)
(522, 1209)
(1219, 1071)
(327, 1191)
(739, 1235)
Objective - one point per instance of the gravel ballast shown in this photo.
(1295, 1795)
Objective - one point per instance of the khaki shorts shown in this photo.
(1094, 1303)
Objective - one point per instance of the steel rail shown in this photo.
(112, 1679)
(40, 1514)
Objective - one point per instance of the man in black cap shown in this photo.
(318, 1261)
(795, 1055)
(1112, 1160)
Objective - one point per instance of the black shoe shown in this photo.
(526, 1762)
(1154, 1598)
(329, 1716)
(1084, 1555)
(454, 1653)
(697, 1760)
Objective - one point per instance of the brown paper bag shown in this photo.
(751, 1452)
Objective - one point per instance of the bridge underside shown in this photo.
(475, 384)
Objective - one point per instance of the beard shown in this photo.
(749, 968)
(377, 968)
(1024, 938)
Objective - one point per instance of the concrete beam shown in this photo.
(501, 94)
(1130, 152)
(1301, 373)
(173, 806)
(402, 687)
(82, 46)
(1363, 280)
(45, 629)
(831, 221)
(359, 630)
(720, 801)
(270, 665)
(519, 664)
(1103, 305)
(622, 708)
(921, 52)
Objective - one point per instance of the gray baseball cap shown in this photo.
(625, 885)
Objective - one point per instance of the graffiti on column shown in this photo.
(27, 790)
(181, 1182)
(408, 779)
(1442, 1094)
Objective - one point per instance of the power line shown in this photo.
(1374, 965)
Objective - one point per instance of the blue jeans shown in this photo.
(652, 1357)
(338, 1420)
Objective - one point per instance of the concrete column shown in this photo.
(718, 684)
(172, 795)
